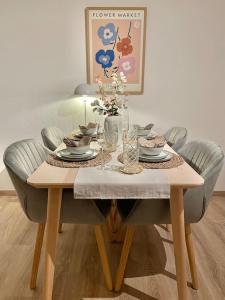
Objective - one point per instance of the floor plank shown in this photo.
(150, 272)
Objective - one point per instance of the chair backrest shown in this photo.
(21, 159)
(176, 137)
(52, 137)
(207, 159)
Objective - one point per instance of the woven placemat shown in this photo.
(55, 161)
(174, 162)
(158, 139)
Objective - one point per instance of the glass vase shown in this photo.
(130, 151)
(113, 129)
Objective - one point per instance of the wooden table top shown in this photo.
(47, 176)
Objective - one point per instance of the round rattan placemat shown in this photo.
(55, 161)
(174, 162)
(157, 139)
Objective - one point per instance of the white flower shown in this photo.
(121, 88)
(123, 77)
(108, 34)
(126, 66)
(114, 77)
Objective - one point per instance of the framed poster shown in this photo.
(115, 42)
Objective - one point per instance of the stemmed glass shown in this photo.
(101, 143)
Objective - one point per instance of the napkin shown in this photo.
(82, 142)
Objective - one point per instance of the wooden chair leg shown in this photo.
(110, 228)
(114, 224)
(103, 256)
(60, 228)
(37, 254)
(124, 257)
(191, 256)
(169, 228)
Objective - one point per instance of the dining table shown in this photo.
(55, 179)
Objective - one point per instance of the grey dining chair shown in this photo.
(176, 137)
(52, 137)
(207, 159)
(21, 160)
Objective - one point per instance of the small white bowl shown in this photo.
(88, 131)
(151, 151)
(79, 149)
(143, 132)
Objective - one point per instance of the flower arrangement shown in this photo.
(110, 104)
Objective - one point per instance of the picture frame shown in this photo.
(115, 42)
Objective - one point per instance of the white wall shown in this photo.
(42, 59)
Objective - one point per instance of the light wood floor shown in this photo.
(150, 273)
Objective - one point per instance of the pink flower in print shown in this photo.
(127, 65)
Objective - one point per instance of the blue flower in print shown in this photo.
(107, 34)
(105, 58)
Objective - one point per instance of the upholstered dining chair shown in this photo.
(52, 137)
(21, 160)
(207, 159)
(176, 137)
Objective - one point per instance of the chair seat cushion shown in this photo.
(77, 211)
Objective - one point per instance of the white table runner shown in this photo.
(94, 183)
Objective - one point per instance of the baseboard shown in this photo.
(7, 193)
(219, 193)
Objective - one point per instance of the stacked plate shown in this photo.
(79, 136)
(161, 157)
(151, 136)
(68, 156)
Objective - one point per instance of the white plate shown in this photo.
(91, 155)
(163, 156)
(67, 153)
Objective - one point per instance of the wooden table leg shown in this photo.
(114, 224)
(52, 223)
(177, 218)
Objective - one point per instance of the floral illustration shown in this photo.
(115, 43)
(127, 65)
(105, 58)
(107, 34)
(125, 46)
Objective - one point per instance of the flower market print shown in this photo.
(116, 44)
(107, 34)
